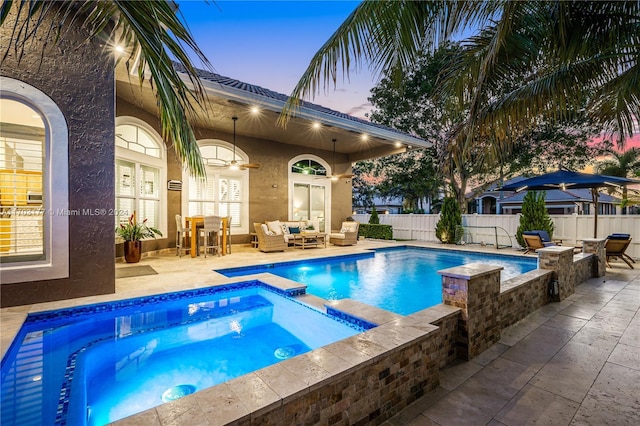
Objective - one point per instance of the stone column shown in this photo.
(475, 289)
(559, 260)
(596, 246)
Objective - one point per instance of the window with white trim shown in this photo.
(224, 192)
(34, 201)
(310, 190)
(140, 171)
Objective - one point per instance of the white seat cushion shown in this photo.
(337, 236)
(275, 227)
(350, 226)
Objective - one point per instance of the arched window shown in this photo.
(140, 173)
(34, 202)
(224, 192)
(310, 190)
(307, 166)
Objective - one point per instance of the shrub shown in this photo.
(450, 218)
(381, 232)
(374, 219)
(534, 216)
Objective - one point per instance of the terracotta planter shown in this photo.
(132, 251)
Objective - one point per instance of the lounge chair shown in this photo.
(534, 241)
(347, 236)
(615, 247)
(269, 243)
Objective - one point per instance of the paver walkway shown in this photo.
(576, 362)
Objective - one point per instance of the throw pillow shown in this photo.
(275, 227)
(285, 229)
(294, 230)
(265, 229)
(343, 230)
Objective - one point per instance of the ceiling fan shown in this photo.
(234, 164)
(333, 166)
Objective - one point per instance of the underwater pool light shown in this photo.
(177, 392)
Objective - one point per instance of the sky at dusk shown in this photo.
(270, 43)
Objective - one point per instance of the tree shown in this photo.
(153, 33)
(534, 216)
(363, 184)
(450, 221)
(414, 107)
(411, 176)
(374, 219)
(569, 52)
(621, 164)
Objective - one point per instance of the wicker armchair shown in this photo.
(347, 236)
(268, 243)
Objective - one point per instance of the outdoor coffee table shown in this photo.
(309, 239)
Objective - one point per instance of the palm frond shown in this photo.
(386, 35)
(155, 30)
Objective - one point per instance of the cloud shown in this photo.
(360, 110)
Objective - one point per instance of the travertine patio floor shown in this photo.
(576, 362)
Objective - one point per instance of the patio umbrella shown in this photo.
(566, 179)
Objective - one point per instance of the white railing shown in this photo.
(484, 228)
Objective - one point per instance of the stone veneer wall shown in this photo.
(447, 319)
(522, 295)
(370, 394)
(559, 260)
(474, 288)
(584, 268)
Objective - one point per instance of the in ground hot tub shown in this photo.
(100, 363)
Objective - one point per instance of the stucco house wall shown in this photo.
(78, 76)
(268, 185)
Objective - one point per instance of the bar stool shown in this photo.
(228, 231)
(182, 233)
(211, 234)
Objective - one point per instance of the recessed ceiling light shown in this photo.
(316, 125)
(364, 136)
(398, 145)
(255, 110)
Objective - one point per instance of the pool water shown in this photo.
(96, 364)
(402, 280)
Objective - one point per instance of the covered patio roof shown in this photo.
(227, 97)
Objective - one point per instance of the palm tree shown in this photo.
(622, 164)
(574, 55)
(154, 34)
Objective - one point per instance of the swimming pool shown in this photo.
(402, 280)
(100, 363)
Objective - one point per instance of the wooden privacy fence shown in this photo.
(485, 228)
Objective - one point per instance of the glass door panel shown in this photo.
(309, 203)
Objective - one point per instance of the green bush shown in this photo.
(381, 232)
(534, 216)
(450, 219)
(374, 219)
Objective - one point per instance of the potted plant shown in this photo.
(132, 233)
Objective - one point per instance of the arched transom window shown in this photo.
(307, 166)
